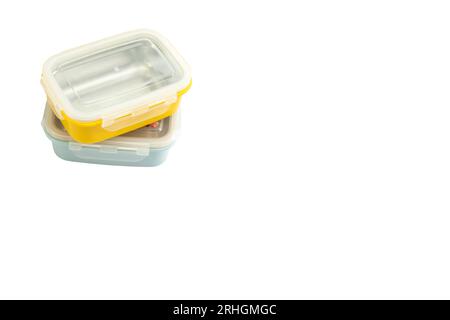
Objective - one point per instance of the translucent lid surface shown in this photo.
(157, 135)
(114, 76)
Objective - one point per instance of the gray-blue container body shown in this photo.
(120, 158)
(137, 148)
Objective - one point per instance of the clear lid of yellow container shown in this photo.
(114, 77)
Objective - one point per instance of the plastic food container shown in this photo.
(145, 147)
(116, 85)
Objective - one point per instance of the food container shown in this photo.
(145, 147)
(116, 85)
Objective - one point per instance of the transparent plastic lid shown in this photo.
(156, 135)
(115, 76)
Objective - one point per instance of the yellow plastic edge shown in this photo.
(92, 131)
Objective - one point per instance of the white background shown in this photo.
(314, 158)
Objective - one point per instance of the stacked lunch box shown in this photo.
(115, 101)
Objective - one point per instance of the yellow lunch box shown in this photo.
(116, 85)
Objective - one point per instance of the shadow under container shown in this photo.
(145, 147)
(116, 85)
